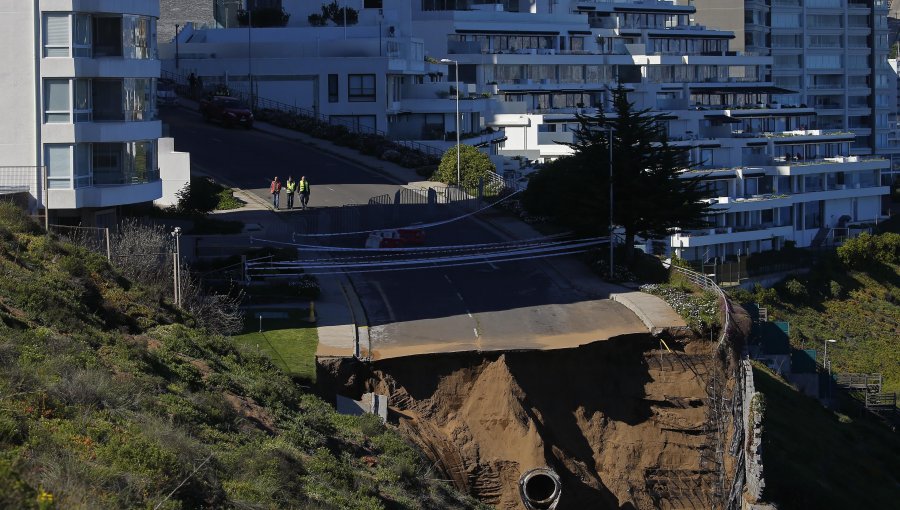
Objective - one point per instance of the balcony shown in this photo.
(105, 196)
(722, 235)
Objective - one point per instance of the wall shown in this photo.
(174, 171)
(18, 131)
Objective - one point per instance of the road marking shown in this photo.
(491, 264)
(448, 279)
(476, 332)
(332, 189)
(387, 304)
(469, 314)
(460, 297)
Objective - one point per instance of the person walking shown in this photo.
(275, 190)
(290, 187)
(303, 189)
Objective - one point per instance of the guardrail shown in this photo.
(731, 491)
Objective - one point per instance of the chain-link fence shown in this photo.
(26, 186)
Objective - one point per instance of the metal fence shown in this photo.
(95, 239)
(25, 185)
(726, 405)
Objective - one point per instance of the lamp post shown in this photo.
(612, 243)
(827, 366)
(458, 165)
(250, 53)
(176, 234)
(176, 45)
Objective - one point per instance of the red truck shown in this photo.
(227, 110)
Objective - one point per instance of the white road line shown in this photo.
(476, 332)
(448, 279)
(329, 187)
(387, 304)
(469, 314)
(460, 297)
(491, 264)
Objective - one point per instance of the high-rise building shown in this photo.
(78, 97)
(832, 55)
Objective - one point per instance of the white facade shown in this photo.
(526, 68)
(773, 176)
(371, 76)
(79, 96)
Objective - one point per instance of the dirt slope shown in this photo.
(621, 421)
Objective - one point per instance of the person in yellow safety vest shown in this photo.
(290, 186)
(303, 189)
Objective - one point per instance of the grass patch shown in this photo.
(290, 343)
(227, 200)
(816, 458)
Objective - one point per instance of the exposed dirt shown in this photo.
(624, 422)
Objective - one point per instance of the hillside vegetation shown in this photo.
(109, 400)
(815, 459)
(853, 297)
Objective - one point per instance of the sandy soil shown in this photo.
(622, 421)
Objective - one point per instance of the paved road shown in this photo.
(249, 159)
(512, 305)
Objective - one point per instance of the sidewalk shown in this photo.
(341, 318)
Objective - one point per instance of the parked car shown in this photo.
(396, 238)
(165, 93)
(227, 110)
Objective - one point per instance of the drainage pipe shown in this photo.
(540, 489)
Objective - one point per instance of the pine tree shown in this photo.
(650, 196)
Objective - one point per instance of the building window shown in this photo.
(332, 88)
(58, 159)
(82, 36)
(56, 102)
(56, 35)
(361, 88)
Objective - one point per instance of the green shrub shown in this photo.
(836, 290)
(795, 289)
(474, 165)
(859, 253)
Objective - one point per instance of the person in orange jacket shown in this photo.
(275, 190)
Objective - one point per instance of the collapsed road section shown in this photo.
(629, 422)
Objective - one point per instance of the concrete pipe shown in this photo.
(540, 489)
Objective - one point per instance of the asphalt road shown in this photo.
(249, 159)
(510, 305)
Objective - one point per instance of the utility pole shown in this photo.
(250, 55)
(176, 45)
(458, 159)
(176, 271)
(612, 243)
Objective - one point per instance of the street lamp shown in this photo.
(827, 365)
(456, 71)
(176, 235)
(611, 228)
(250, 54)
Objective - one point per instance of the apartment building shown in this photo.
(371, 76)
(527, 68)
(832, 54)
(773, 173)
(80, 130)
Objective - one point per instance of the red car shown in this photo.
(227, 110)
(396, 238)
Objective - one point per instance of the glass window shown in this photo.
(786, 20)
(56, 101)
(82, 100)
(82, 165)
(82, 36)
(58, 159)
(823, 61)
(332, 88)
(361, 87)
(56, 35)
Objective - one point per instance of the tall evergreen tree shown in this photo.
(650, 196)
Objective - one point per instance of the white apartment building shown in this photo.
(371, 76)
(832, 54)
(526, 67)
(774, 175)
(79, 101)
